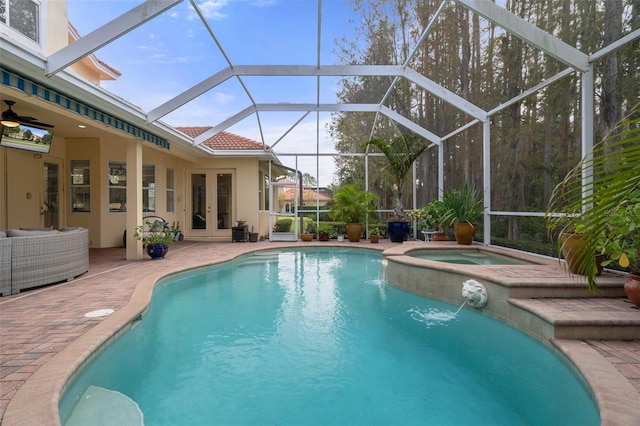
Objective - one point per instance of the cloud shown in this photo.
(211, 9)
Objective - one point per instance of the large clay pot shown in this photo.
(632, 288)
(572, 252)
(354, 231)
(464, 232)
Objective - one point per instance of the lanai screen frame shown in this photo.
(575, 60)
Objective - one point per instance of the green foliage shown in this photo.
(430, 216)
(326, 228)
(352, 205)
(378, 229)
(401, 152)
(462, 205)
(282, 225)
(156, 232)
(600, 199)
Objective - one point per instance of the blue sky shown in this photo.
(171, 53)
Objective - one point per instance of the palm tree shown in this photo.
(401, 152)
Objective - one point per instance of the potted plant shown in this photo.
(400, 152)
(352, 206)
(462, 208)
(156, 237)
(375, 232)
(600, 199)
(310, 230)
(429, 219)
(325, 229)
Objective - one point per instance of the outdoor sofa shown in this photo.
(34, 257)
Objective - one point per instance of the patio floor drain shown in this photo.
(99, 313)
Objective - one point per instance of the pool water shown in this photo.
(467, 257)
(314, 338)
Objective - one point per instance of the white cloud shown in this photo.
(211, 9)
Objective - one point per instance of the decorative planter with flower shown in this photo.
(156, 237)
(401, 152)
(600, 200)
(375, 232)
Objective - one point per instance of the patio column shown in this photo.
(587, 124)
(486, 156)
(134, 198)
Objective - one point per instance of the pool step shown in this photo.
(582, 319)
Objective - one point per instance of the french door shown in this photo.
(211, 204)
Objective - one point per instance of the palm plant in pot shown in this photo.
(156, 237)
(400, 152)
(600, 200)
(463, 207)
(352, 206)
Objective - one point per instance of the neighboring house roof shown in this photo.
(308, 194)
(223, 140)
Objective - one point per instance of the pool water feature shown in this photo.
(314, 337)
(467, 257)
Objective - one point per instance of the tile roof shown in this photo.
(223, 140)
(307, 194)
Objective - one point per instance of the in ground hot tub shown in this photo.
(468, 257)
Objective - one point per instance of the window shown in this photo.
(148, 188)
(80, 186)
(117, 187)
(170, 190)
(23, 16)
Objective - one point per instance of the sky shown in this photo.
(168, 55)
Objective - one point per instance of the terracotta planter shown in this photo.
(572, 252)
(464, 232)
(440, 236)
(306, 237)
(632, 288)
(374, 238)
(354, 231)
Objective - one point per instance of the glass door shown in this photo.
(50, 208)
(211, 203)
(200, 207)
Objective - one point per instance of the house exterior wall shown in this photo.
(22, 172)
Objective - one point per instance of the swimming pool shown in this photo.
(313, 337)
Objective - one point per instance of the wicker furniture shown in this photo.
(39, 257)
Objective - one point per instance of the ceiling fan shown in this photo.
(10, 116)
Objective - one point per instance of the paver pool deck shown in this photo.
(45, 336)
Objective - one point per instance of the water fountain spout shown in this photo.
(474, 293)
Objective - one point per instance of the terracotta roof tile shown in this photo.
(223, 140)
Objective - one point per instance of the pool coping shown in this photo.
(36, 402)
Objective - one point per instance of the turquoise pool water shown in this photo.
(314, 338)
(467, 257)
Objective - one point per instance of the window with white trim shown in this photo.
(23, 16)
(80, 186)
(148, 188)
(170, 190)
(117, 186)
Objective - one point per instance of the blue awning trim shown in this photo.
(47, 94)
